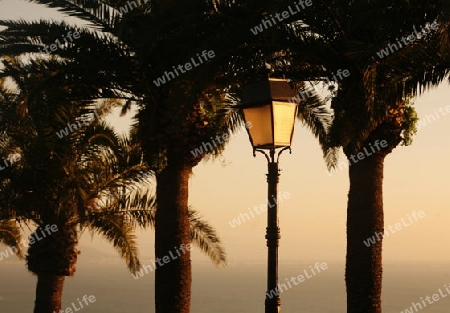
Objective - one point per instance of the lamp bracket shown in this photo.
(261, 151)
(281, 151)
(271, 158)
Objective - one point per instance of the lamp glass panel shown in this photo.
(284, 114)
(261, 124)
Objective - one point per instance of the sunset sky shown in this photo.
(312, 220)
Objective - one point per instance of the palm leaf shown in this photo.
(206, 238)
(10, 235)
(99, 13)
(120, 233)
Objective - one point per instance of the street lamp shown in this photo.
(270, 114)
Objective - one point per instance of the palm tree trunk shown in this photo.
(48, 293)
(173, 265)
(363, 273)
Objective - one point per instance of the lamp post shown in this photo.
(272, 116)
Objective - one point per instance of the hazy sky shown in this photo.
(312, 220)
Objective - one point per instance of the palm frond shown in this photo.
(99, 13)
(120, 233)
(317, 115)
(10, 235)
(141, 209)
(205, 237)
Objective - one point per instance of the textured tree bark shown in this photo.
(172, 233)
(48, 293)
(363, 274)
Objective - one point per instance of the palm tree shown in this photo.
(86, 180)
(53, 185)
